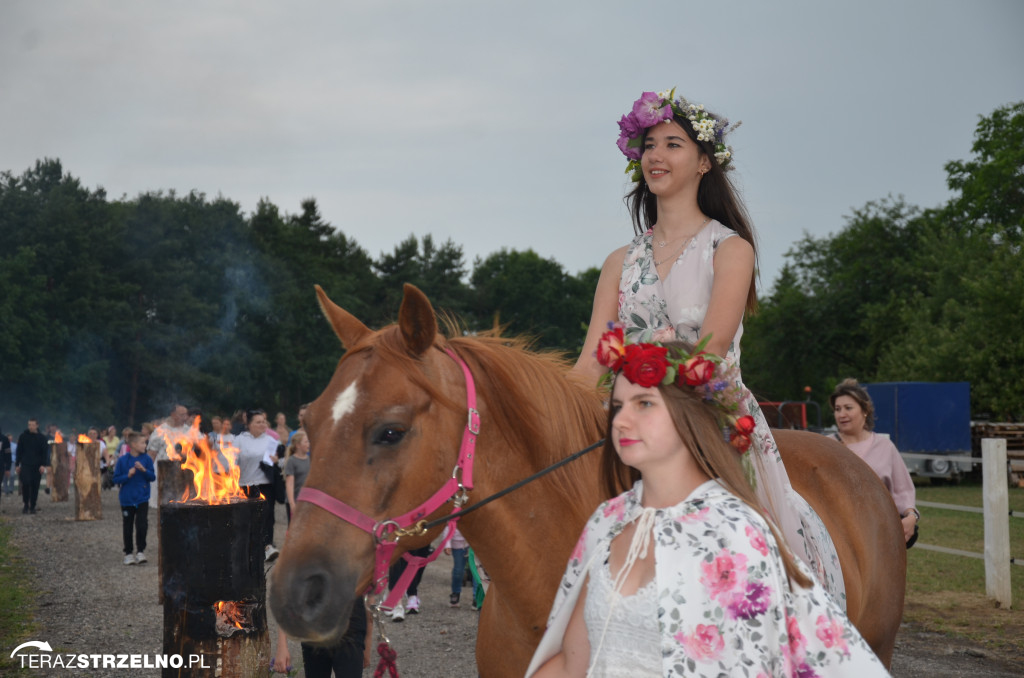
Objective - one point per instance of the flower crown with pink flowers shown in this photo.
(654, 107)
(650, 365)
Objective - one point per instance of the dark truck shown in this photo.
(926, 418)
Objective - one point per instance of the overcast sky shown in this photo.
(494, 124)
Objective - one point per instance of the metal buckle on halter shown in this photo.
(381, 531)
(473, 421)
(461, 495)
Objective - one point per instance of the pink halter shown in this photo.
(455, 489)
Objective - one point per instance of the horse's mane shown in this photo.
(542, 411)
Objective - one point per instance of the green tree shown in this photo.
(532, 296)
(836, 305)
(437, 271)
(64, 291)
(991, 184)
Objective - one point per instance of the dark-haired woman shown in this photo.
(257, 452)
(689, 275)
(682, 574)
(855, 420)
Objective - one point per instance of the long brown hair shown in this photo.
(697, 423)
(716, 197)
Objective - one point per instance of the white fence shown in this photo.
(997, 516)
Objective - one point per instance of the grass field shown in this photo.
(946, 593)
(16, 600)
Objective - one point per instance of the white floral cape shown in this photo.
(725, 604)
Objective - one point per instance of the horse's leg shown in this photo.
(860, 516)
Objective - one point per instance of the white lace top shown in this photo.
(631, 646)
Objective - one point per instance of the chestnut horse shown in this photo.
(385, 436)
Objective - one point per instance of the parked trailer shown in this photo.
(926, 418)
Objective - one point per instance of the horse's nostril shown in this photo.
(312, 595)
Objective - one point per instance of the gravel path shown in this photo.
(91, 603)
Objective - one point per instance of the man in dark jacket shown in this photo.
(33, 458)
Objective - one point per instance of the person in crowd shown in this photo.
(215, 428)
(94, 435)
(302, 419)
(112, 440)
(71, 442)
(6, 463)
(855, 420)
(296, 469)
(122, 449)
(347, 659)
(683, 573)
(281, 427)
(458, 549)
(238, 422)
(257, 455)
(688, 274)
(224, 438)
(174, 427)
(134, 472)
(411, 596)
(33, 458)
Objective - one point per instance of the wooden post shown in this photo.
(215, 587)
(88, 502)
(59, 479)
(172, 480)
(997, 521)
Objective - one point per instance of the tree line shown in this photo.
(112, 310)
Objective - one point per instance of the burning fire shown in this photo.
(58, 438)
(213, 482)
(84, 439)
(230, 614)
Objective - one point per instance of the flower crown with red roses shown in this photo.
(654, 107)
(650, 365)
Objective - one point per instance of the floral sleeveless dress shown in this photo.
(652, 309)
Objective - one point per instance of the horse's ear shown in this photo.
(348, 328)
(416, 319)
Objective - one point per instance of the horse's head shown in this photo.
(379, 442)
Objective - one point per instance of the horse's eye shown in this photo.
(389, 435)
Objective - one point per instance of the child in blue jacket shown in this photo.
(134, 472)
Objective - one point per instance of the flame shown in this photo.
(58, 438)
(212, 482)
(84, 439)
(230, 612)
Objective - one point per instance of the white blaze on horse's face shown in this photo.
(345, 403)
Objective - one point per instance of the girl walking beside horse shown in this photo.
(683, 574)
(689, 275)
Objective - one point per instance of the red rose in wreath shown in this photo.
(645, 364)
(611, 349)
(696, 371)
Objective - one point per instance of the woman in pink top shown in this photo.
(855, 419)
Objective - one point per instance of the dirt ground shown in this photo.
(90, 602)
